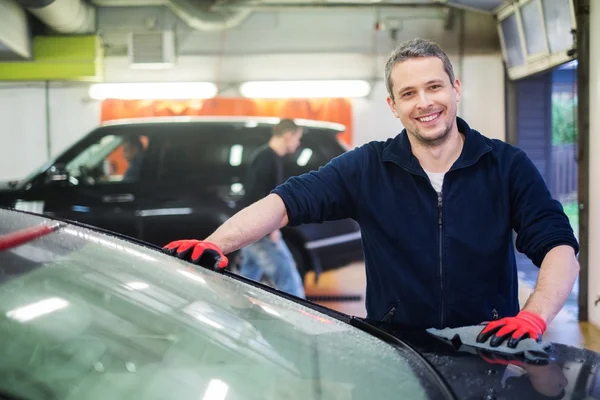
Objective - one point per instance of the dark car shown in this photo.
(89, 315)
(186, 180)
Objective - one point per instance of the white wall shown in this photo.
(483, 94)
(23, 136)
(72, 114)
(23, 144)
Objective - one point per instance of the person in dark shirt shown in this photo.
(270, 256)
(133, 151)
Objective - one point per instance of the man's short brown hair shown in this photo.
(285, 125)
(416, 48)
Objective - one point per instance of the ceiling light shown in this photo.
(153, 91)
(305, 89)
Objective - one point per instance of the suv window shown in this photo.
(316, 149)
(111, 158)
(220, 151)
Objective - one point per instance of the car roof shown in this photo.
(249, 121)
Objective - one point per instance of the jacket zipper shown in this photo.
(389, 317)
(440, 222)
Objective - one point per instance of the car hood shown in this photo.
(570, 372)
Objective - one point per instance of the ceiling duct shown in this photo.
(152, 50)
(204, 16)
(15, 41)
(63, 16)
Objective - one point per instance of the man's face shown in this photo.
(129, 151)
(424, 100)
(292, 139)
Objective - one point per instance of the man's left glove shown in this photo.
(199, 252)
(525, 325)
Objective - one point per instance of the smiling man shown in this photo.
(437, 205)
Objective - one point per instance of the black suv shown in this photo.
(189, 181)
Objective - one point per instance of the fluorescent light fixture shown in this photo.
(153, 91)
(304, 157)
(304, 89)
(35, 310)
(235, 155)
(216, 390)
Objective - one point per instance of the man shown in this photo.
(437, 205)
(133, 151)
(270, 255)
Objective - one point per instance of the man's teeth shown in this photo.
(427, 119)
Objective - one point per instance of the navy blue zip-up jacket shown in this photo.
(436, 261)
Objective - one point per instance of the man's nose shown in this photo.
(424, 100)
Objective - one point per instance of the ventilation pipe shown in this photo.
(204, 16)
(63, 16)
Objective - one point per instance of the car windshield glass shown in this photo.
(100, 318)
(93, 154)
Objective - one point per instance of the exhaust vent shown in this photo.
(15, 40)
(152, 50)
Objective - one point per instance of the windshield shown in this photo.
(100, 318)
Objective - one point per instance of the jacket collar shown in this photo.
(398, 150)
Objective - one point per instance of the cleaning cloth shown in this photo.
(527, 348)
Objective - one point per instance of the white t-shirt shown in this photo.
(437, 179)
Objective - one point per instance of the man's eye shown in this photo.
(436, 86)
(406, 94)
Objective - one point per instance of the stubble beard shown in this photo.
(436, 141)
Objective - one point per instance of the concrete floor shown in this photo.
(350, 281)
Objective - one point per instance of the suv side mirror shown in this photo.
(57, 173)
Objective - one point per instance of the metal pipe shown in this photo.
(303, 5)
(63, 16)
(582, 14)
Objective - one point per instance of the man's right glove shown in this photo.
(198, 252)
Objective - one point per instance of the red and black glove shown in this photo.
(525, 325)
(198, 252)
(502, 359)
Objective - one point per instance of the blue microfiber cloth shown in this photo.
(528, 348)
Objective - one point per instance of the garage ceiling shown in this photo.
(479, 5)
(482, 5)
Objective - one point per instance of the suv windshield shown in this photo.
(86, 315)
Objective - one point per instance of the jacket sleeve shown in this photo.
(539, 220)
(326, 194)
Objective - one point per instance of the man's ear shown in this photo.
(457, 89)
(392, 106)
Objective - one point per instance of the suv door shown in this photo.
(200, 170)
(99, 181)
